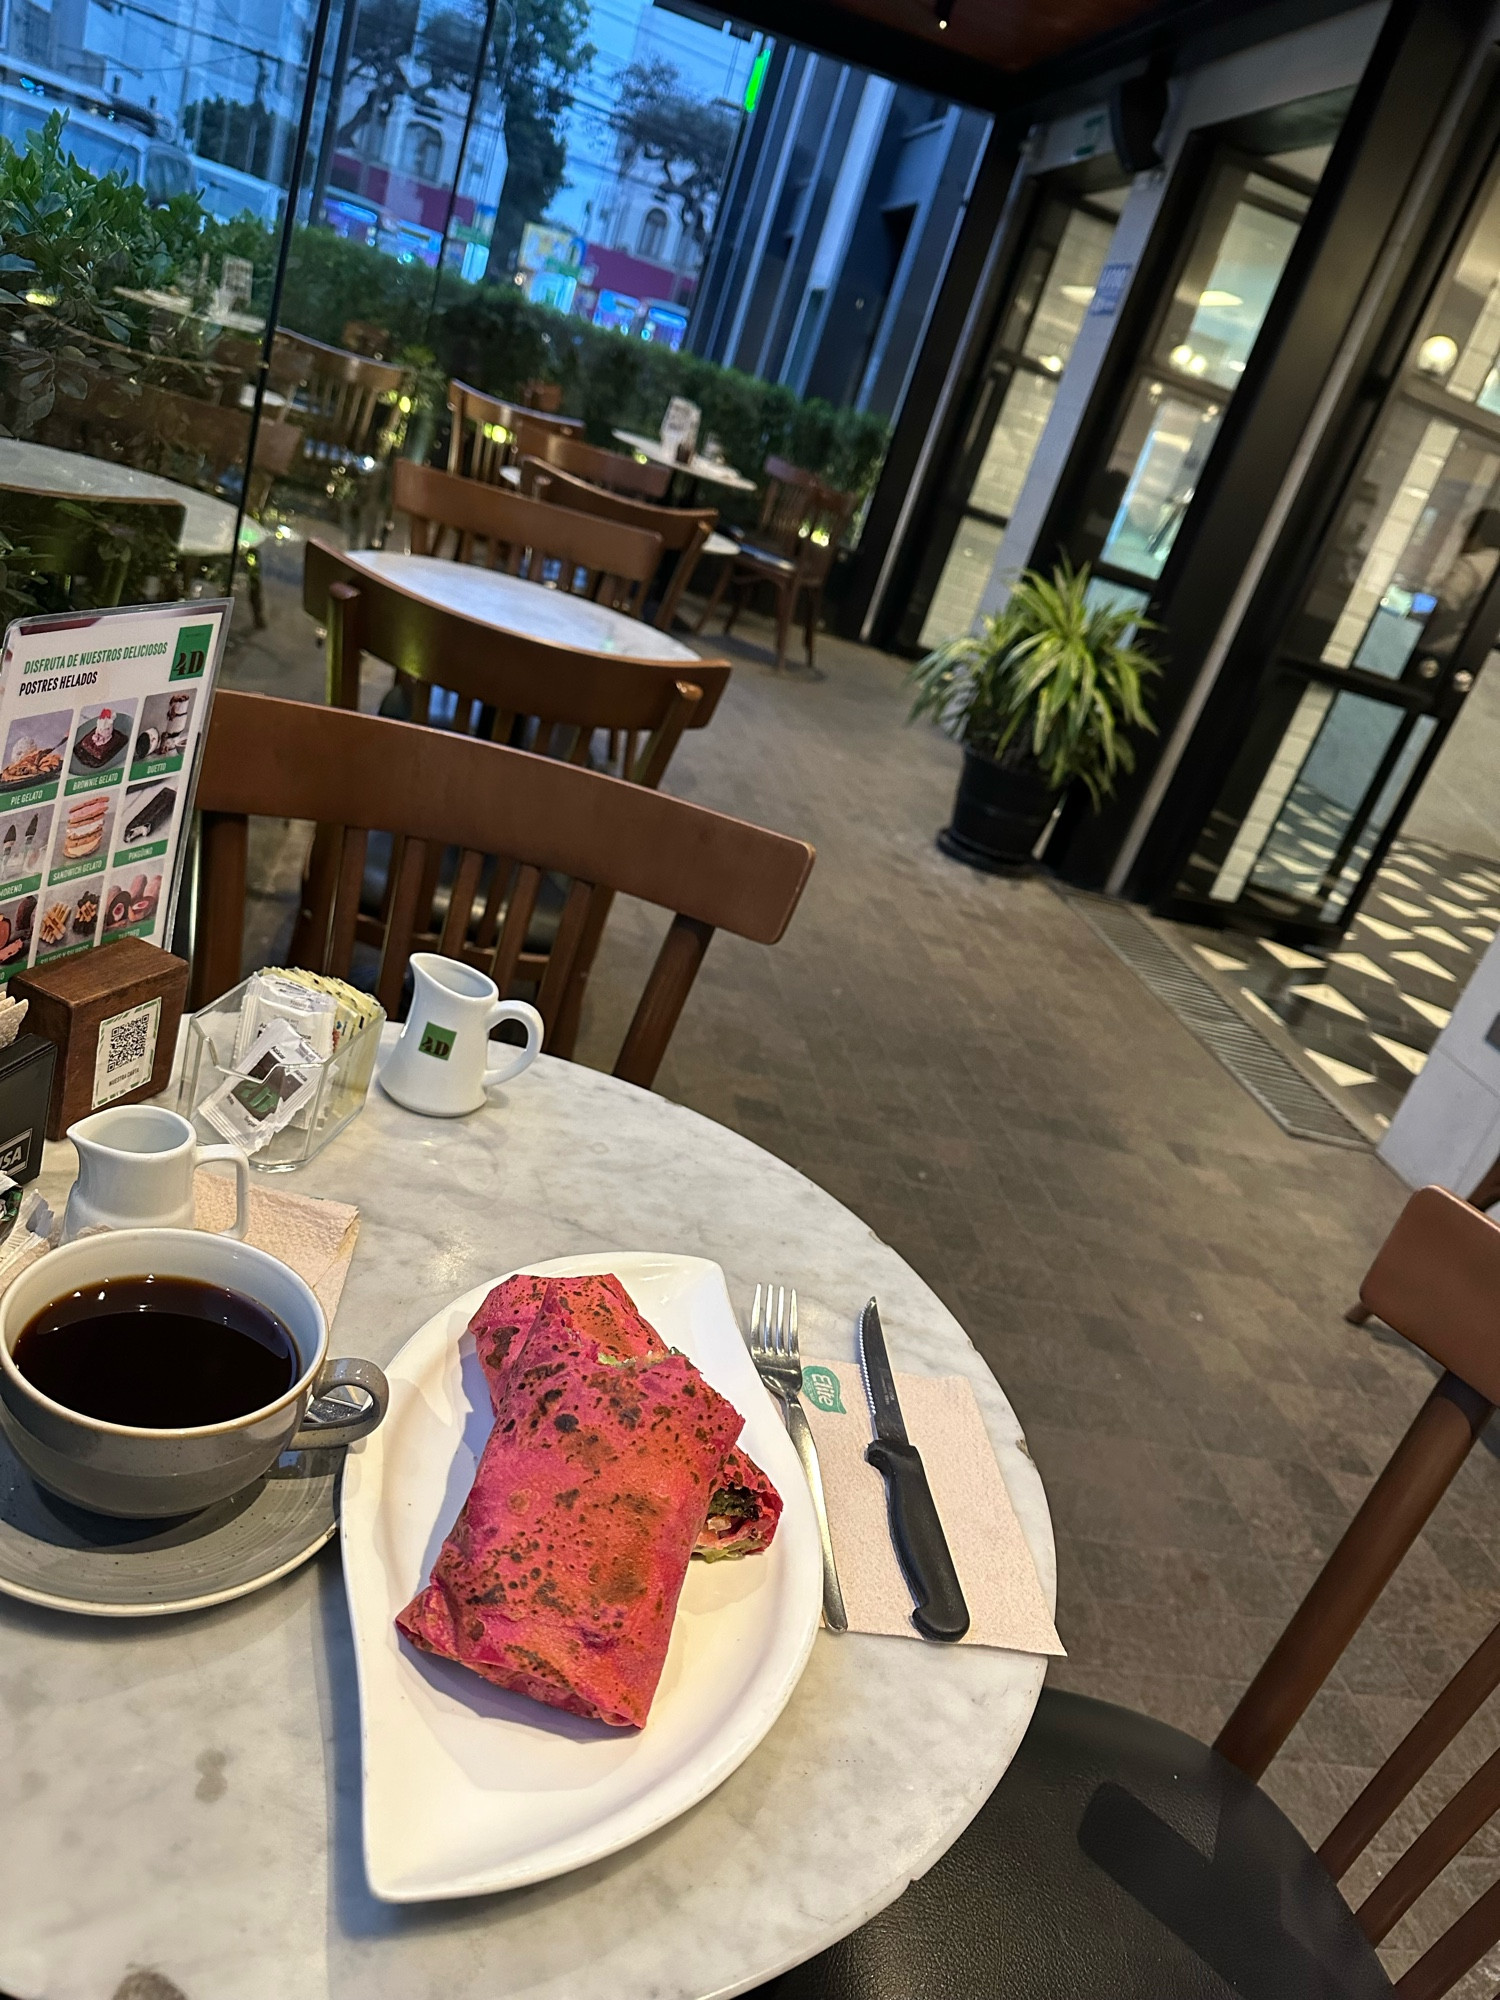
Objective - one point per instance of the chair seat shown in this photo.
(765, 559)
(1118, 1859)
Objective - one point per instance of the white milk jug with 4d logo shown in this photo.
(441, 1065)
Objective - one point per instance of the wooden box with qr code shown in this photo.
(112, 1015)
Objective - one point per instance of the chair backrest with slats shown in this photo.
(1436, 1281)
(802, 517)
(683, 530)
(562, 689)
(616, 470)
(608, 562)
(484, 430)
(429, 789)
(346, 407)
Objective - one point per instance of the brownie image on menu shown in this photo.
(103, 735)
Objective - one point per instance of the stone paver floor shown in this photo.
(1155, 1272)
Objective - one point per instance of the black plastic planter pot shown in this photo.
(998, 815)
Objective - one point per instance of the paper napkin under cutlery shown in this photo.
(1000, 1583)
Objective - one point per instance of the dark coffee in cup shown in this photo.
(158, 1352)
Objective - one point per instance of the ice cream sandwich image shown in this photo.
(85, 827)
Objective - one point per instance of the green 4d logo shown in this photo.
(436, 1041)
(190, 655)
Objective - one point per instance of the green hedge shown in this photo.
(492, 336)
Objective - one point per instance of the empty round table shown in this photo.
(713, 470)
(512, 604)
(180, 1797)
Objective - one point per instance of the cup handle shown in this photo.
(329, 1424)
(514, 1060)
(204, 1157)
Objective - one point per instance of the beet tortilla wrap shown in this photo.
(745, 1507)
(561, 1575)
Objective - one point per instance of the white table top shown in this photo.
(208, 522)
(511, 604)
(698, 467)
(180, 305)
(182, 1794)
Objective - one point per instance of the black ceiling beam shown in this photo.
(1183, 32)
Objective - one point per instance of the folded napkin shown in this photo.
(1000, 1583)
(316, 1238)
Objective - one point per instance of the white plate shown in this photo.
(468, 1788)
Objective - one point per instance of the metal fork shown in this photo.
(778, 1361)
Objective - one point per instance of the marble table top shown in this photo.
(511, 604)
(208, 521)
(180, 1797)
(714, 470)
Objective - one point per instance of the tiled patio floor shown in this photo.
(1154, 1270)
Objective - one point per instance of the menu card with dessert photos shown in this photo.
(101, 723)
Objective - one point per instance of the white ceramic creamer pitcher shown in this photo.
(440, 1066)
(135, 1171)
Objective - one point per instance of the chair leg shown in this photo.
(716, 595)
(786, 599)
(810, 625)
(257, 592)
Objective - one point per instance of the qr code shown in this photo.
(127, 1044)
(126, 1053)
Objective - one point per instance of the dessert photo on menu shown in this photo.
(17, 923)
(25, 836)
(100, 739)
(83, 836)
(34, 752)
(162, 736)
(130, 902)
(145, 820)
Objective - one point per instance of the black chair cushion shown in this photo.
(1117, 1859)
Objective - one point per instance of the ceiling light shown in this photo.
(1181, 356)
(1437, 354)
(1215, 298)
(1197, 365)
(1079, 294)
(1052, 363)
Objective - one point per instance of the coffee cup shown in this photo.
(135, 1171)
(146, 1470)
(440, 1066)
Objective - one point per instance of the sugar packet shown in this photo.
(277, 1076)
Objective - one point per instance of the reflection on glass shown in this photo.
(1069, 289)
(1160, 483)
(1227, 312)
(955, 602)
(1327, 795)
(1007, 456)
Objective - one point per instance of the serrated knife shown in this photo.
(916, 1532)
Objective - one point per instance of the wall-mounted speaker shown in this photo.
(1137, 108)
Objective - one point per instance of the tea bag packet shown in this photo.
(277, 1076)
(273, 996)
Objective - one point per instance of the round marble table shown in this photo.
(208, 521)
(511, 604)
(180, 1797)
(713, 470)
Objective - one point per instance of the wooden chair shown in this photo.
(802, 522)
(554, 699)
(616, 471)
(357, 773)
(482, 440)
(683, 530)
(346, 408)
(605, 561)
(1120, 1858)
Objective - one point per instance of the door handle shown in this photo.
(1463, 680)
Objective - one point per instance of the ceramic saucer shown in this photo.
(55, 1554)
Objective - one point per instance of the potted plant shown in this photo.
(1042, 696)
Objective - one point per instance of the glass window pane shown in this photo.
(1329, 791)
(1068, 292)
(1163, 473)
(1228, 310)
(1457, 347)
(1007, 457)
(955, 602)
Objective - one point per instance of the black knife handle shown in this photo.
(921, 1546)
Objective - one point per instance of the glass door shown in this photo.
(1039, 323)
(1401, 611)
(1135, 504)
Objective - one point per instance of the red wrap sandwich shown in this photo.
(745, 1507)
(561, 1576)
